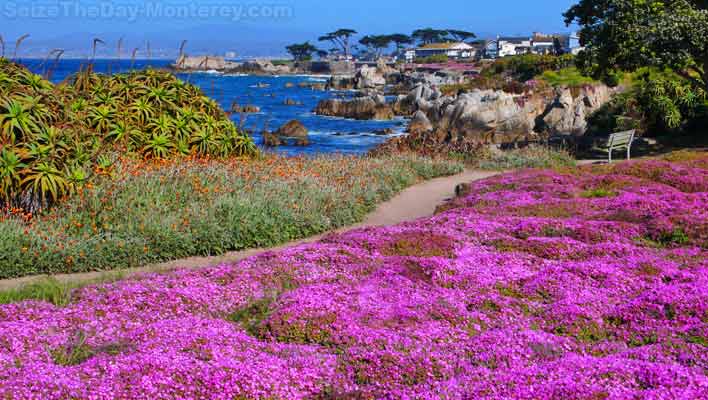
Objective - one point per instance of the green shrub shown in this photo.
(570, 77)
(657, 103)
(434, 59)
(528, 66)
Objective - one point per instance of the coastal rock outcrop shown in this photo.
(366, 79)
(362, 108)
(264, 67)
(567, 114)
(247, 109)
(313, 85)
(482, 117)
(487, 117)
(418, 98)
(420, 124)
(292, 132)
(341, 82)
(203, 63)
(369, 78)
(220, 64)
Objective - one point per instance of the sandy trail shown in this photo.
(415, 202)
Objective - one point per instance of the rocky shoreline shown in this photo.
(468, 119)
(453, 122)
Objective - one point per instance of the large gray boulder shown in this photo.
(419, 98)
(361, 108)
(568, 114)
(419, 124)
(369, 78)
(485, 117)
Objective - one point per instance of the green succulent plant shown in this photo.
(54, 137)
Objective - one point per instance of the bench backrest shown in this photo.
(621, 138)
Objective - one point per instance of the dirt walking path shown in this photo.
(415, 202)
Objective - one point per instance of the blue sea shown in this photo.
(327, 134)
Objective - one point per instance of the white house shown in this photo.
(409, 55)
(543, 44)
(539, 43)
(452, 50)
(491, 49)
(574, 44)
(511, 46)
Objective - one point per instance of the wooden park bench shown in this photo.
(618, 141)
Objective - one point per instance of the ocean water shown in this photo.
(327, 134)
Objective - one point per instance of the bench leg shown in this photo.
(629, 152)
(610, 155)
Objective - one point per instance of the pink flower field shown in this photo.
(586, 284)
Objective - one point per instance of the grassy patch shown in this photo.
(697, 339)
(527, 157)
(570, 77)
(151, 212)
(74, 353)
(51, 290)
(598, 193)
(676, 237)
(252, 316)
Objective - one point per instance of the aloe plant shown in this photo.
(16, 122)
(46, 182)
(10, 167)
(158, 146)
(55, 138)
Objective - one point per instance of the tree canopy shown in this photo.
(629, 34)
(430, 35)
(461, 36)
(301, 51)
(376, 43)
(340, 38)
(400, 40)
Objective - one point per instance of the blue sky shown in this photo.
(250, 27)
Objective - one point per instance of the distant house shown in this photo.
(491, 49)
(409, 55)
(574, 44)
(453, 50)
(479, 47)
(539, 43)
(543, 44)
(512, 46)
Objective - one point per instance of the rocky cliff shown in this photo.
(494, 117)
